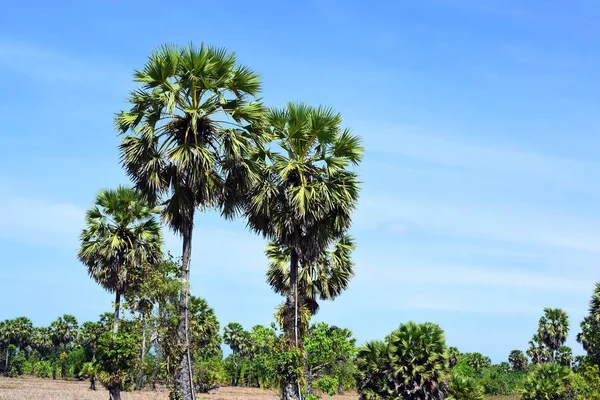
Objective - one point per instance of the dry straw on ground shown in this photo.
(47, 389)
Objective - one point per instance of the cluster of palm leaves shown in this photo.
(412, 364)
(196, 137)
(547, 345)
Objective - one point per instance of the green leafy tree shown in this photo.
(329, 351)
(518, 360)
(305, 197)
(117, 355)
(121, 241)
(16, 332)
(189, 136)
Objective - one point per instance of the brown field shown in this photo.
(47, 389)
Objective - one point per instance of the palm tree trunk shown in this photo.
(140, 381)
(6, 360)
(291, 388)
(116, 317)
(185, 376)
(156, 364)
(114, 392)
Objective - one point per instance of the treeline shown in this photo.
(413, 362)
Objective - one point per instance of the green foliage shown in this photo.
(289, 365)
(327, 384)
(477, 361)
(411, 365)
(589, 336)
(209, 374)
(116, 357)
(518, 360)
(462, 387)
(549, 382)
(498, 380)
(42, 369)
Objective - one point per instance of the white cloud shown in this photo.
(41, 221)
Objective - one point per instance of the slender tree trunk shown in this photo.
(291, 388)
(114, 392)
(6, 360)
(156, 365)
(93, 382)
(117, 308)
(185, 378)
(140, 381)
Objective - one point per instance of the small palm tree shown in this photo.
(190, 130)
(372, 365)
(454, 356)
(538, 351)
(549, 382)
(324, 280)
(564, 356)
(418, 363)
(235, 337)
(462, 387)
(121, 241)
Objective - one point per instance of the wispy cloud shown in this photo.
(41, 221)
(55, 66)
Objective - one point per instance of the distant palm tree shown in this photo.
(190, 130)
(553, 330)
(63, 332)
(121, 241)
(517, 360)
(564, 356)
(454, 356)
(323, 280)
(538, 351)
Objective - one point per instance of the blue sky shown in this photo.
(481, 125)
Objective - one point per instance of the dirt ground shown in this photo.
(47, 389)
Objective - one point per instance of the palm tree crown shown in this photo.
(121, 241)
(324, 279)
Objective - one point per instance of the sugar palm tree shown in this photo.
(189, 132)
(322, 280)
(418, 361)
(553, 329)
(306, 194)
(517, 360)
(372, 378)
(122, 240)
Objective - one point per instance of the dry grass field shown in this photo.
(47, 389)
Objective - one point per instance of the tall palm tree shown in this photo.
(553, 329)
(190, 130)
(306, 194)
(122, 239)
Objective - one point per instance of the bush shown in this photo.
(464, 388)
(42, 369)
(549, 382)
(327, 384)
(209, 375)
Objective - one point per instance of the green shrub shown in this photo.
(464, 388)
(549, 382)
(209, 375)
(327, 384)
(42, 369)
